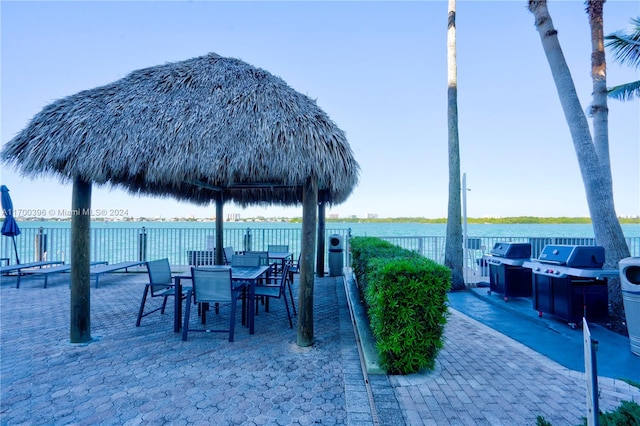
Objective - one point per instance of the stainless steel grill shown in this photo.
(507, 276)
(570, 283)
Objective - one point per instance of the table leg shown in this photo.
(252, 306)
(177, 307)
(245, 294)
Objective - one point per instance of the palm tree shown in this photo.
(599, 112)
(453, 256)
(626, 50)
(599, 192)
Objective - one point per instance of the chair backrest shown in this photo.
(278, 248)
(294, 266)
(159, 274)
(229, 252)
(253, 260)
(284, 277)
(264, 256)
(212, 284)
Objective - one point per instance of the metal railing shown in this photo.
(125, 244)
(434, 247)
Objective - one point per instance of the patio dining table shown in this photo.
(241, 276)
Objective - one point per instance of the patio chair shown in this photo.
(229, 252)
(212, 285)
(264, 256)
(274, 288)
(294, 268)
(252, 260)
(278, 248)
(160, 285)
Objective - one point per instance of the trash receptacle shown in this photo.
(630, 283)
(336, 255)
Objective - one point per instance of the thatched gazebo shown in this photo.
(201, 130)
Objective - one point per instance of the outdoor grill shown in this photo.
(507, 276)
(570, 283)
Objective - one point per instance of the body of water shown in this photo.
(126, 241)
(386, 229)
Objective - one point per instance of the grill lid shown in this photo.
(511, 250)
(588, 257)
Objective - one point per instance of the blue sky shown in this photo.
(377, 68)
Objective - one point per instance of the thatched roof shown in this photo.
(187, 128)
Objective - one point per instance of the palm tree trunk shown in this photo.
(600, 114)
(599, 110)
(453, 250)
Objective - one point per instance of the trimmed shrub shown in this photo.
(364, 249)
(406, 296)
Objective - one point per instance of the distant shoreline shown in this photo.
(516, 220)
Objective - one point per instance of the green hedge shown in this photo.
(364, 249)
(406, 296)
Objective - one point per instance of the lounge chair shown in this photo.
(45, 272)
(8, 269)
(105, 269)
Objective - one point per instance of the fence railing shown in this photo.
(477, 247)
(125, 244)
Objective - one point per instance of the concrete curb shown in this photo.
(363, 330)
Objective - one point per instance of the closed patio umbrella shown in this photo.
(9, 227)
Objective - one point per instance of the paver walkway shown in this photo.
(148, 375)
(483, 377)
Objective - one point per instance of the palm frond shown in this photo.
(625, 92)
(626, 47)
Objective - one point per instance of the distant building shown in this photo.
(233, 217)
(334, 216)
(372, 215)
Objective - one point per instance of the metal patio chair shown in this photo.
(212, 285)
(160, 285)
(251, 260)
(275, 288)
(278, 248)
(264, 256)
(229, 252)
(294, 268)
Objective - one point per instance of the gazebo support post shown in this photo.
(307, 276)
(80, 329)
(321, 232)
(219, 232)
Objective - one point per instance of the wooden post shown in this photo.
(321, 241)
(80, 329)
(307, 276)
(219, 231)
